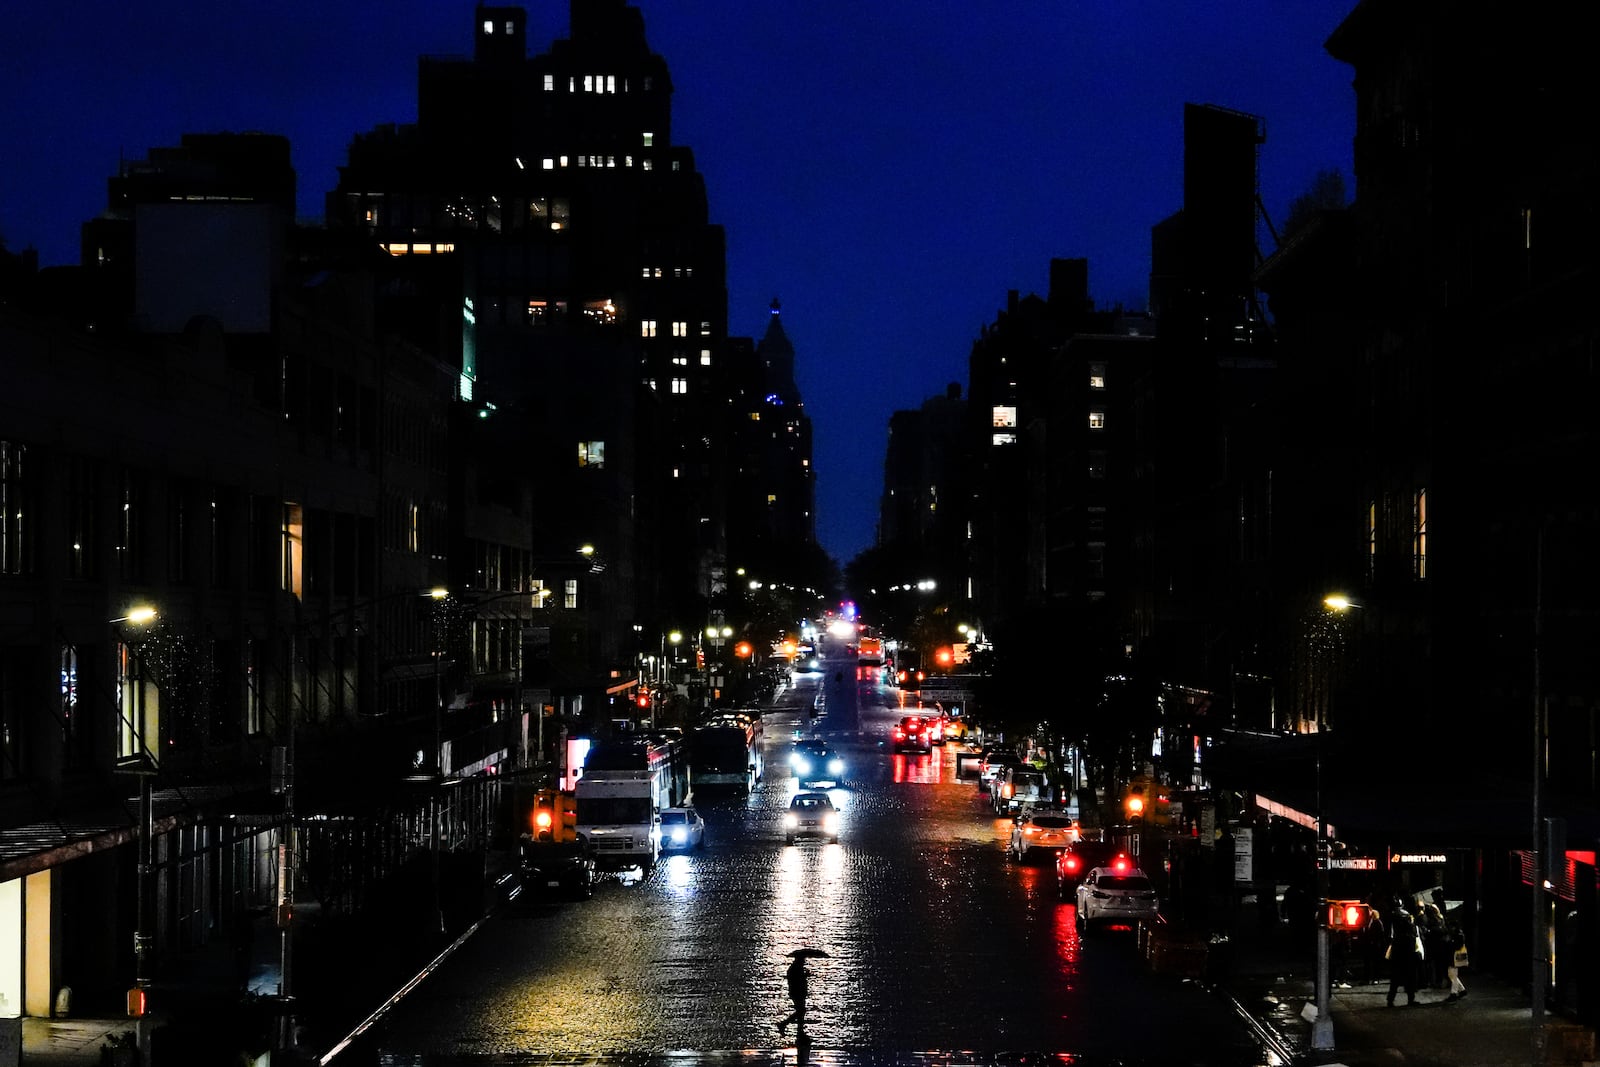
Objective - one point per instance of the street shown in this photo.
(935, 939)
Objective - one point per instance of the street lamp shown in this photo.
(142, 762)
(1322, 1025)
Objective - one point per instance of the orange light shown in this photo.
(136, 1003)
(945, 657)
(542, 819)
(742, 650)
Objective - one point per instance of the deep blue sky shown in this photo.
(888, 169)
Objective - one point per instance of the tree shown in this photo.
(1327, 193)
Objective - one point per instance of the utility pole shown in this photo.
(1541, 966)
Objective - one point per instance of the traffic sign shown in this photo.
(1353, 863)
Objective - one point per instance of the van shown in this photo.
(1019, 785)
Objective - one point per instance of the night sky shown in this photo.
(887, 169)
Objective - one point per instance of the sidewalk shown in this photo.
(1490, 1027)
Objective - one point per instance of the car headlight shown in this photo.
(803, 766)
(791, 820)
(830, 822)
(836, 766)
(679, 835)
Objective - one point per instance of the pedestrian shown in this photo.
(1374, 939)
(1458, 959)
(798, 974)
(1430, 921)
(1404, 953)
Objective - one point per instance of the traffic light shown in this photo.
(743, 649)
(1135, 805)
(945, 657)
(1348, 915)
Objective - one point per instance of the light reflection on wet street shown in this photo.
(935, 939)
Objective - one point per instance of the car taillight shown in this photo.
(1071, 863)
(1009, 790)
(1030, 829)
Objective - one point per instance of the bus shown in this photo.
(725, 754)
(869, 651)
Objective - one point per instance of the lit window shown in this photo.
(1372, 537)
(488, 27)
(680, 360)
(540, 598)
(588, 83)
(549, 163)
(705, 329)
(563, 161)
(646, 164)
(1097, 420)
(755, 416)
(572, 83)
(647, 328)
(591, 453)
(1097, 376)
(1003, 439)
(627, 161)
(705, 357)
(647, 272)
(675, 165)
(570, 598)
(1005, 417)
(294, 547)
(509, 27)
(549, 83)
(1419, 534)
(680, 385)
(658, 272)
(772, 498)
(611, 83)
(680, 329)
(649, 140)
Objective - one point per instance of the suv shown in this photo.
(1120, 893)
(1074, 863)
(1041, 830)
(1020, 785)
(811, 815)
(912, 735)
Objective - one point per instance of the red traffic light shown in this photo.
(1347, 914)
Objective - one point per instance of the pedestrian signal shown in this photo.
(1347, 915)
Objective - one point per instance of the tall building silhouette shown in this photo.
(593, 298)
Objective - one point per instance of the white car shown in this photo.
(681, 829)
(1042, 831)
(1120, 894)
(811, 815)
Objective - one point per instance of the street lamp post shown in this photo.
(1322, 1026)
(141, 763)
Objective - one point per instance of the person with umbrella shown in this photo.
(798, 975)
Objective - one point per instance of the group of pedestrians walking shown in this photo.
(1424, 949)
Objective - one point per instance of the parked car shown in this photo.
(911, 735)
(1024, 784)
(1039, 830)
(1120, 894)
(681, 829)
(557, 869)
(810, 815)
(1074, 863)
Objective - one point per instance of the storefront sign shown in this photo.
(1417, 857)
(1353, 863)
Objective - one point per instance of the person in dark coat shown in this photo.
(797, 994)
(1404, 960)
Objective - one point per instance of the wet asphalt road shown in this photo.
(936, 940)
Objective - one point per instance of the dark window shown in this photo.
(17, 514)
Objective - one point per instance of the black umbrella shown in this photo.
(810, 953)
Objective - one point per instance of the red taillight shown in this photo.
(1121, 864)
(1071, 863)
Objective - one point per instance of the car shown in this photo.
(1022, 784)
(934, 724)
(993, 764)
(682, 829)
(811, 814)
(815, 762)
(911, 735)
(1074, 863)
(1119, 894)
(955, 727)
(1041, 830)
(557, 869)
